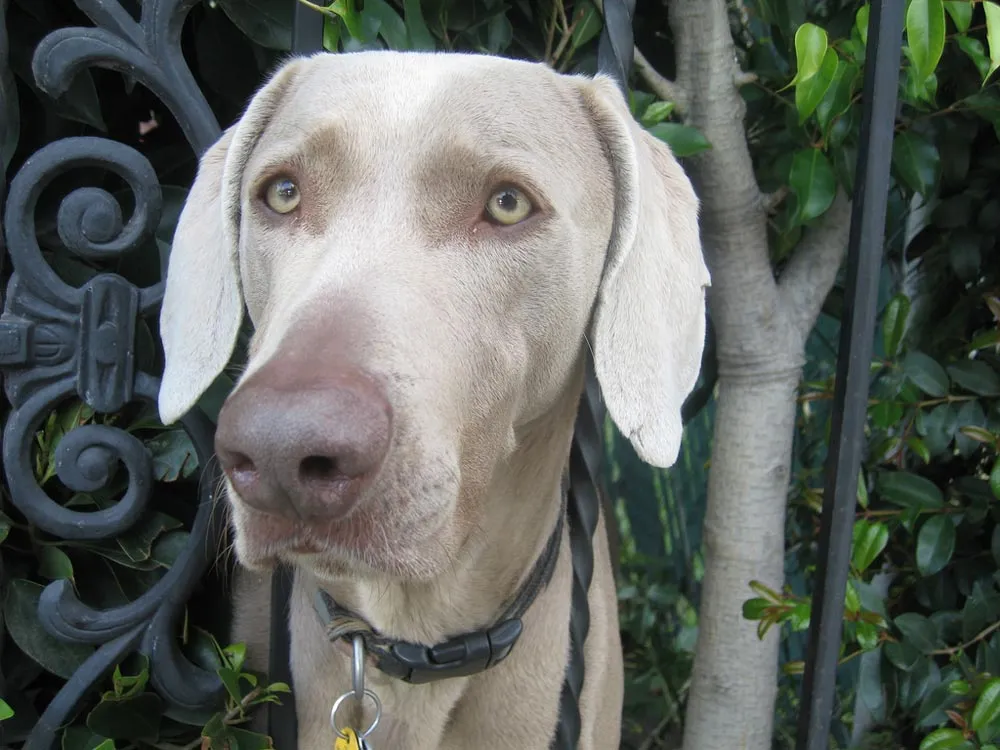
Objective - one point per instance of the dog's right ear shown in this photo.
(203, 302)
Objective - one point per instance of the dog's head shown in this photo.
(426, 245)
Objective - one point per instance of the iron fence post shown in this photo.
(864, 258)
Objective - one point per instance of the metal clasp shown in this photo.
(459, 657)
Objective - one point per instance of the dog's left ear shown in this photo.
(648, 330)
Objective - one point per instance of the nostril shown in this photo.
(243, 471)
(320, 469)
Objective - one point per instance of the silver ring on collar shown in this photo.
(350, 694)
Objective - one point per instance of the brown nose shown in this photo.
(300, 443)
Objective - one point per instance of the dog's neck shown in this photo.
(523, 500)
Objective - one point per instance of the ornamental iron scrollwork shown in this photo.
(60, 342)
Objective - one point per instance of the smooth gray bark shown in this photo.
(761, 325)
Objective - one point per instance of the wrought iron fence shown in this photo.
(59, 341)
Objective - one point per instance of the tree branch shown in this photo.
(810, 274)
(662, 86)
(773, 200)
(734, 229)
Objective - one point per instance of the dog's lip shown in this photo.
(276, 534)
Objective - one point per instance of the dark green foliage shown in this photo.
(922, 602)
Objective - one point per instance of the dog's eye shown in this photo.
(282, 196)
(508, 206)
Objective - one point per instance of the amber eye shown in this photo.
(282, 196)
(508, 206)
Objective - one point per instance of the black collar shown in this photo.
(459, 656)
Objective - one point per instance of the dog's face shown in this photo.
(426, 245)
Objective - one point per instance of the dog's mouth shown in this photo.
(376, 538)
(265, 535)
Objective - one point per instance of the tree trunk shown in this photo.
(761, 326)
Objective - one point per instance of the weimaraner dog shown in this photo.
(427, 246)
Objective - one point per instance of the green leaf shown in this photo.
(212, 399)
(945, 738)
(753, 609)
(894, 319)
(810, 49)
(935, 544)
(391, 27)
(499, 34)
(902, 654)
(992, 35)
(81, 738)
(345, 11)
(231, 679)
(248, 740)
(960, 12)
(975, 51)
(917, 162)
(54, 564)
(909, 490)
(683, 140)
(837, 100)
(416, 28)
(135, 548)
(871, 688)
(918, 630)
(6, 712)
(331, 33)
(798, 616)
(5, 526)
(168, 547)
(656, 113)
(976, 376)
(135, 718)
(981, 608)
(861, 22)
(20, 614)
(995, 486)
(174, 455)
(869, 541)
(266, 22)
(987, 710)
(919, 447)
(916, 683)
(586, 24)
(925, 32)
(813, 182)
(934, 704)
(926, 374)
(938, 426)
(852, 600)
(810, 92)
(961, 687)
(866, 635)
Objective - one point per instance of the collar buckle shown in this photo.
(461, 656)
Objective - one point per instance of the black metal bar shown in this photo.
(281, 723)
(864, 259)
(52, 332)
(307, 29)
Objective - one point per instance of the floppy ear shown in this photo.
(648, 330)
(203, 302)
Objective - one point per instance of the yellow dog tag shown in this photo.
(348, 741)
